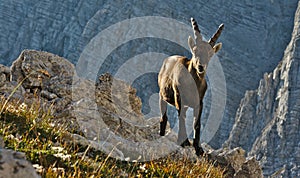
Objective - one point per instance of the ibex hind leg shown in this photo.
(164, 118)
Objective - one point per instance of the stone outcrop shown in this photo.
(47, 76)
(255, 36)
(238, 165)
(13, 164)
(267, 121)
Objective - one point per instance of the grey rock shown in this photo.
(48, 95)
(106, 147)
(5, 73)
(36, 69)
(2, 144)
(250, 168)
(236, 162)
(109, 123)
(13, 164)
(255, 36)
(8, 88)
(267, 121)
(46, 75)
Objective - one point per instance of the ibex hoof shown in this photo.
(186, 143)
(199, 151)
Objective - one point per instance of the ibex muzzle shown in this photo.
(182, 84)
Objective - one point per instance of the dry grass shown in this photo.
(31, 130)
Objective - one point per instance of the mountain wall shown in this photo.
(268, 119)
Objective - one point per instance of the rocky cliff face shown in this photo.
(268, 119)
(254, 38)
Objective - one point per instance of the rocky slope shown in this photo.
(268, 119)
(255, 36)
(97, 110)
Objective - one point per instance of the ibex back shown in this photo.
(182, 84)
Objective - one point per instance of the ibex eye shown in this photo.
(201, 68)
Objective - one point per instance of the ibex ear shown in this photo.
(191, 43)
(217, 47)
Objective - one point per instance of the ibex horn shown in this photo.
(215, 37)
(197, 32)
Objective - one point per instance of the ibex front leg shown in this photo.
(182, 136)
(164, 118)
(197, 127)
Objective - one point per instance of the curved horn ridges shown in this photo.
(212, 41)
(197, 32)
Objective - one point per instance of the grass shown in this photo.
(30, 129)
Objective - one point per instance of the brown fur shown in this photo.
(182, 84)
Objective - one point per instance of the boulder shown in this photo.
(48, 78)
(14, 165)
(235, 160)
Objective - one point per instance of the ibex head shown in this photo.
(202, 51)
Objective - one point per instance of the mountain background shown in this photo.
(261, 114)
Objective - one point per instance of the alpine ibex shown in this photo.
(182, 84)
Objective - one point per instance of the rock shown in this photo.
(2, 144)
(250, 168)
(5, 73)
(7, 87)
(48, 76)
(267, 121)
(107, 120)
(40, 69)
(101, 145)
(255, 36)
(13, 164)
(236, 162)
